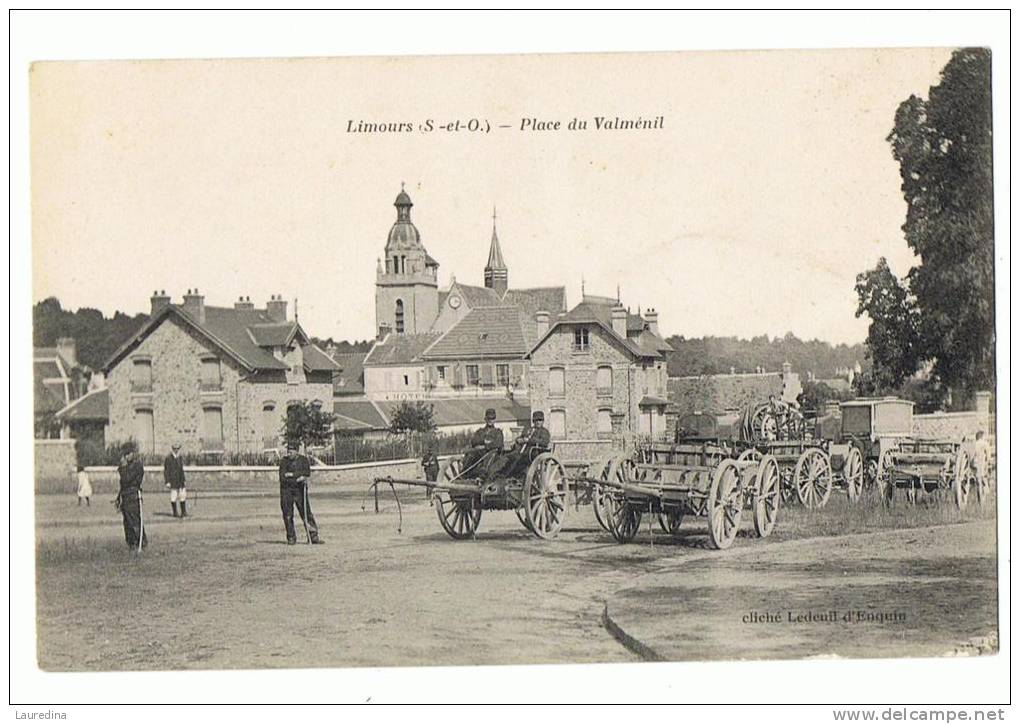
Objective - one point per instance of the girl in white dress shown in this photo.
(84, 487)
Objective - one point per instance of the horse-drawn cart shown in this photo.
(929, 468)
(668, 481)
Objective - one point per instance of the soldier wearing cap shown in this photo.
(295, 472)
(485, 440)
(173, 479)
(533, 441)
(129, 497)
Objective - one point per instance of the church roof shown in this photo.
(483, 332)
(400, 349)
(495, 253)
(476, 297)
(545, 299)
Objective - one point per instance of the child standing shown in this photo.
(84, 487)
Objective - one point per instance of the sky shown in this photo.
(768, 188)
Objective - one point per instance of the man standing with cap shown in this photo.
(295, 472)
(483, 441)
(129, 498)
(173, 478)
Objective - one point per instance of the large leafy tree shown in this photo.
(893, 338)
(944, 148)
(308, 424)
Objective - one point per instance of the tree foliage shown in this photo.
(944, 148)
(412, 417)
(308, 424)
(893, 339)
(96, 336)
(718, 355)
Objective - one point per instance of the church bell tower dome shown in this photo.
(404, 235)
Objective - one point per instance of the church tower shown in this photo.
(406, 285)
(496, 274)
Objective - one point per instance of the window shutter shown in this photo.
(517, 374)
(458, 376)
(486, 374)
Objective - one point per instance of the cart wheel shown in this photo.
(670, 520)
(885, 482)
(622, 520)
(853, 474)
(459, 516)
(751, 454)
(602, 472)
(813, 478)
(725, 504)
(767, 496)
(523, 517)
(962, 478)
(545, 496)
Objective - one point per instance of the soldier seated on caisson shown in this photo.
(532, 442)
(486, 448)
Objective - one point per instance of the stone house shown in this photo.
(214, 379)
(599, 373)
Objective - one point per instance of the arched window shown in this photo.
(399, 317)
(270, 425)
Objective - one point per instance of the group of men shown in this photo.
(294, 474)
(486, 457)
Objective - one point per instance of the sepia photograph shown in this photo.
(514, 359)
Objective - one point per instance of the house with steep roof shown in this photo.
(213, 379)
(599, 372)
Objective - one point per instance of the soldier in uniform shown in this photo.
(294, 474)
(484, 441)
(533, 441)
(129, 498)
(173, 478)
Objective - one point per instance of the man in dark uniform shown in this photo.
(294, 474)
(129, 498)
(485, 440)
(533, 441)
(173, 478)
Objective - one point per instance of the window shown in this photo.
(472, 375)
(211, 379)
(145, 431)
(212, 428)
(141, 376)
(558, 424)
(399, 317)
(503, 375)
(604, 381)
(581, 339)
(270, 426)
(605, 422)
(441, 373)
(557, 385)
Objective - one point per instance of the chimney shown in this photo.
(68, 350)
(384, 329)
(541, 322)
(652, 318)
(244, 303)
(277, 308)
(618, 316)
(194, 304)
(159, 300)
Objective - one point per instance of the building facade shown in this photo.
(214, 379)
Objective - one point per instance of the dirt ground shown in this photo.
(222, 590)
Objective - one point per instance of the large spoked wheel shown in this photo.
(600, 471)
(813, 478)
(853, 474)
(459, 516)
(622, 520)
(962, 478)
(885, 479)
(545, 496)
(725, 503)
(767, 496)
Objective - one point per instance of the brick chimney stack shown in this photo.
(277, 308)
(244, 303)
(159, 300)
(541, 322)
(194, 304)
(384, 329)
(652, 319)
(618, 316)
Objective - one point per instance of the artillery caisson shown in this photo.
(671, 481)
(539, 497)
(929, 468)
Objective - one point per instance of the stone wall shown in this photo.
(949, 425)
(55, 463)
(581, 400)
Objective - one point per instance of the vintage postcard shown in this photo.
(514, 359)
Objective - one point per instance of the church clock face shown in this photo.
(454, 301)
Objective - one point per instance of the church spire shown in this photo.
(496, 273)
